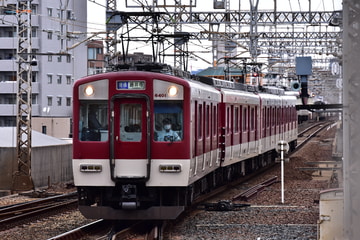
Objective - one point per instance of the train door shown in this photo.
(199, 128)
(245, 130)
(207, 139)
(129, 137)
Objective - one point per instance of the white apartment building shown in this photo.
(56, 27)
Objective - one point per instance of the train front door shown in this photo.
(130, 137)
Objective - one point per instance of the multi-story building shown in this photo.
(96, 57)
(57, 26)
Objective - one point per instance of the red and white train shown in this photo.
(146, 144)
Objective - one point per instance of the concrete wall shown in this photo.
(56, 127)
(49, 163)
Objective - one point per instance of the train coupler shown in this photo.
(129, 197)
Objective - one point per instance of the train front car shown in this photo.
(131, 146)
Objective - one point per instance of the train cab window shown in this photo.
(130, 122)
(168, 121)
(93, 125)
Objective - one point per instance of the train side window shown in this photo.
(252, 119)
(93, 121)
(200, 121)
(245, 120)
(130, 122)
(236, 120)
(207, 121)
(215, 116)
(168, 121)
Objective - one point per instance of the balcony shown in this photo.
(8, 65)
(8, 110)
(8, 87)
(8, 43)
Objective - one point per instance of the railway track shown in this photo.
(23, 211)
(305, 135)
(103, 230)
(265, 217)
(150, 231)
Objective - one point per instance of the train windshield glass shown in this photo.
(93, 123)
(168, 121)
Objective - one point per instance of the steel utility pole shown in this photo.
(111, 36)
(22, 176)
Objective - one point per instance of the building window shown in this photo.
(50, 12)
(93, 52)
(49, 35)
(34, 98)
(69, 15)
(49, 99)
(34, 77)
(68, 80)
(34, 9)
(34, 31)
(58, 101)
(68, 58)
(49, 77)
(49, 58)
(59, 79)
(43, 130)
(68, 101)
(59, 59)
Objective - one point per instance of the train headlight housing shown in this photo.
(89, 91)
(170, 168)
(173, 91)
(90, 168)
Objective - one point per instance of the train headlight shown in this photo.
(170, 168)
(173, 91)
(90, 168)
(89, 91)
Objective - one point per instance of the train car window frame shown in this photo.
(263, 124)
(252, 118)
(215, 120)
(207, 121)
(200, 122)
(169, 113)
(236, 119)
(228, 120)
(245, 119)
(93, 121)
(131, 122)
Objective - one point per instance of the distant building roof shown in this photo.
(219, 71)
(8, 138)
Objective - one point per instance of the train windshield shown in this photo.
(93, 123)
(168, 121)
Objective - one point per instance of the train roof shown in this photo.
(217, 83)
